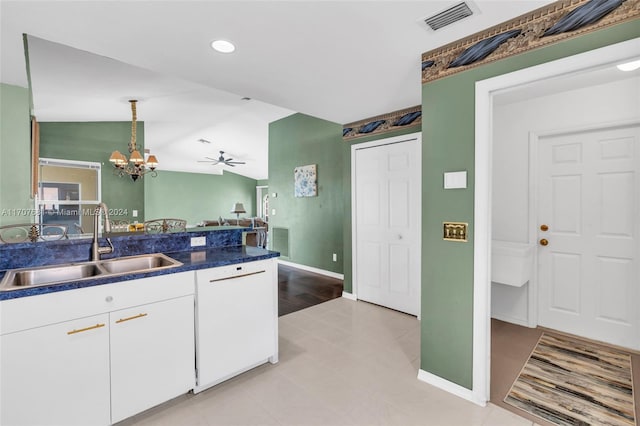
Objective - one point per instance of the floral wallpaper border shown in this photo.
(383, 123)
(547, 25)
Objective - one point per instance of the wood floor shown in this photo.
(298, 289)
(511, 346)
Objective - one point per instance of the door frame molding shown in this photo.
(485, 92)
(372, 144)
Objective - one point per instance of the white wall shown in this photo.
(616, 101)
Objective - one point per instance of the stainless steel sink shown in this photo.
(125, 265)
(16, 279)
(30, 277)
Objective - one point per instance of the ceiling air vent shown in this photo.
(449, 16)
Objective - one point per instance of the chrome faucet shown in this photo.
(96, 250)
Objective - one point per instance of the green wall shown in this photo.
(15, 156)
(315, 223)
(95, 141)
(346, 185)
(448, 145)
(197, 197)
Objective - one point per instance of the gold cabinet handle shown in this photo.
(544, 242)
(131, 318)
(93, 327)
(544, 228)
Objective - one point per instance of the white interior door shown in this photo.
(588, 194)
(387, 204)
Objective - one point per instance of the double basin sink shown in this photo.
(22, 278)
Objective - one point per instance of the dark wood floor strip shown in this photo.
(299, 289)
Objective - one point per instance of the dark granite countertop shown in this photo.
(203, 258)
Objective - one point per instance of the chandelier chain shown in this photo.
(134, 126)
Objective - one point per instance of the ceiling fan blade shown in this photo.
(235, 162)
(209, 160)
(230, 165)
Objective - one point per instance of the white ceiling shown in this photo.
(338, 60)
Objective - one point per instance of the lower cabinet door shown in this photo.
(152, 355)
(56, 374)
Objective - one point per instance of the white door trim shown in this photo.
(485, 91)
(379, 142)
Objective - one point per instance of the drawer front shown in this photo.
(229, 271)
(35, 311)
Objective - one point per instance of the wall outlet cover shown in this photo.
(198, 241)
(198, 256)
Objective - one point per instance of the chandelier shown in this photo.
(136, 166)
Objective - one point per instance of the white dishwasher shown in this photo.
(236, 320)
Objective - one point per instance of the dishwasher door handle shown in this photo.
(237, 276)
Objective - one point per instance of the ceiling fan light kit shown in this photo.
(136, 166)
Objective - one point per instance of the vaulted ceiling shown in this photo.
(337, 60)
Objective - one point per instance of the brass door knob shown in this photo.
(544, 227)
(544, 242)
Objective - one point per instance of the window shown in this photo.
(67, 193)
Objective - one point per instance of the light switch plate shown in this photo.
(198, 241)
(455, 180)
(454, 231)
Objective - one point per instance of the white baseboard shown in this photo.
(349, 296)
(510, 319)
(312, 269)
(450, 387)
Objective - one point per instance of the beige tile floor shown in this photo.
(341, 363)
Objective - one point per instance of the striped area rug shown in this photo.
(572, 382)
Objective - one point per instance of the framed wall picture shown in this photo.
(305, 180)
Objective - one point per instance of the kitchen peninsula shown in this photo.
(100, 349)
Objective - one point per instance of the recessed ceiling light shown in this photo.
(629, 66)
(223, 46)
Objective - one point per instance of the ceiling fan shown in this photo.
(221, 160)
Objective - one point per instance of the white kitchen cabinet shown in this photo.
(152, 355)
(236, 320)
(57, 374)
(67, 359)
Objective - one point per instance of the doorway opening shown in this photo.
(262, 202)
(488, 95)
